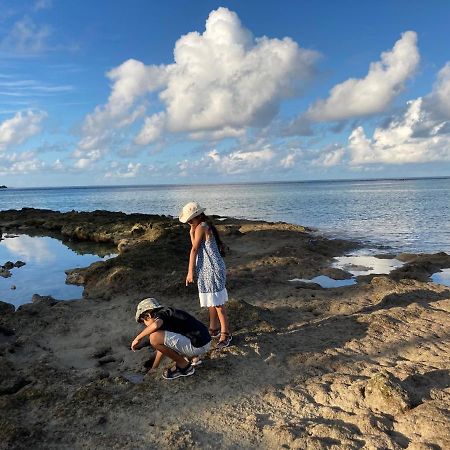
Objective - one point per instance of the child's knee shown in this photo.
(157, 338)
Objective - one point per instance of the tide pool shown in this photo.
(45, 260)
(442, 277)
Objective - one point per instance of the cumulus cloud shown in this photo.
(20, 163)
(288, 161)
(131, 81)
(20, 128)
(439, 99)
(420, 134)
(398, 142)
(222, 81)
(292, 155)
(330, 157)
(232, 163)
(226, 78)
(152, 129)
(373, 93)
(130, 171)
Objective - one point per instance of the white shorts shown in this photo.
(183, 345)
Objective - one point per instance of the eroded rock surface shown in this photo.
(364, 366)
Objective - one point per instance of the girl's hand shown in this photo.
(134, 344)
(189, 278)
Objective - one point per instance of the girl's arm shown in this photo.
(192, 234)
(198, 236)
(147, 331)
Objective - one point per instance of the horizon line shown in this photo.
(334, 180)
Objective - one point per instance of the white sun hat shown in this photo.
(189, 211)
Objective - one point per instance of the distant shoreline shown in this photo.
(236, 183)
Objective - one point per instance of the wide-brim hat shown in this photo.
(146, 305)
(189, 211)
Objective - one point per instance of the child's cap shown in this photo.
(146, 305)
(189, 211)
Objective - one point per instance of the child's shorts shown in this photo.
(183, 345)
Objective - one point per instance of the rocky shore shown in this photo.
(362, 366)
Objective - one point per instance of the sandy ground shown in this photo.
(365, 366)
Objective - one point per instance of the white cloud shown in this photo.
(26, 38)
(152, 129)
(330, 157)
(131, 171)
(20, 163)
(397, 144)
(83, 163)
(226, 132)
(439, 99)
(21, 127)
(132, 80)
(221, 82)
(374, 93)
(292, 156)
(288, 161)
(58, 166)
(232, 163)
(226, 78)
(86, 159)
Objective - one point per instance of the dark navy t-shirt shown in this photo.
(181, 322)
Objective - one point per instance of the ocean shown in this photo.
(404, 215)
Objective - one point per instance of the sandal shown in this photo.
(176, 372)
(214, 332)
(225, 340)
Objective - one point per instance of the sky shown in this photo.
(113, 92)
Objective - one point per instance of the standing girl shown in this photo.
(205, 260)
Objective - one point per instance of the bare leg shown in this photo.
(223, 318)
(213, 318)
(157, 341)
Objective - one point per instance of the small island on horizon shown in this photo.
(3, 186)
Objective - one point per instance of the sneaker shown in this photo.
(225, 342)
(176, 372)
(196, 361)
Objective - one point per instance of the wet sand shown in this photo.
(361, 366)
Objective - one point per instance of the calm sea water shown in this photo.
(405, 215)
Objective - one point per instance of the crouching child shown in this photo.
(173, 333)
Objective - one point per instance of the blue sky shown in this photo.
(139, 92)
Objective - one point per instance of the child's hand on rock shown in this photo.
(134, 344)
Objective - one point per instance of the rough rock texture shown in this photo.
(385, 394)
(358, 367)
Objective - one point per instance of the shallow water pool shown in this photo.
(366, 264)
(442, 277)
(45, 260)
(327, 282)
(356, 264)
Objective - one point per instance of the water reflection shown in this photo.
(326, 282)
(46, 260)
(442, 277)
(356, 265)
(366, 265)
(28, 249)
